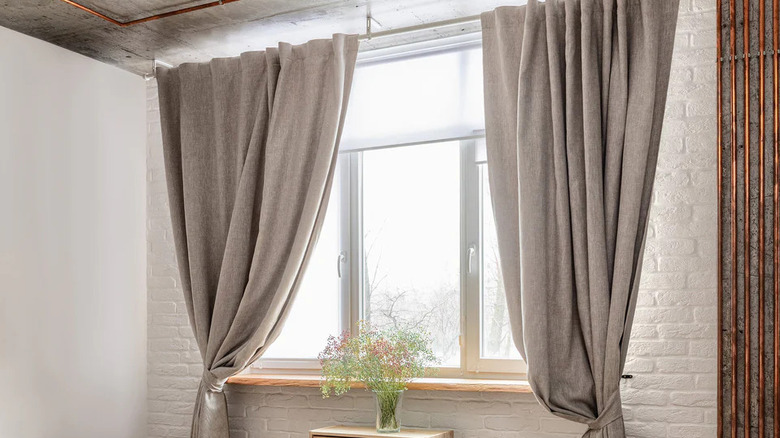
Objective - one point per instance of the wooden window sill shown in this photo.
(428, 384)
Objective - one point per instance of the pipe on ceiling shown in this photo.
(149, 18)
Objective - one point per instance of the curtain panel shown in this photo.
(575, 93)
(250, 147)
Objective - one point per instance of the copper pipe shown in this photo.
(761, 205)
(776, 201)
(719, 62)
(746, 208)
(149, 18)
(733, 70)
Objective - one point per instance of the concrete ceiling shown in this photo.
(225, 30)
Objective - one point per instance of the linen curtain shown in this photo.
(250, 145)
(575, 92)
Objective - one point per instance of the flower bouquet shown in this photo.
(385, 361)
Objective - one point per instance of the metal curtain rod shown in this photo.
(155, 63)
(370, 35)
(420, 27)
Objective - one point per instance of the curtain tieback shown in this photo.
(211, 382)
(612, 412)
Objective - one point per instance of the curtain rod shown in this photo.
(444, 23)
(369, 35)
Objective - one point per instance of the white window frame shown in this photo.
(471, 242)
(349, 261)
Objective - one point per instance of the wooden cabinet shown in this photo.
(370, 432)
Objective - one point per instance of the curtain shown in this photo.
(250, 147)
(575, 92)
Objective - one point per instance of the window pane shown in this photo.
(315, 312)
(411, 232)
(497, 340)
(415, 99)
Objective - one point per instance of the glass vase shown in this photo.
(388, 407)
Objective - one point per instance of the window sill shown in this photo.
(428, 384)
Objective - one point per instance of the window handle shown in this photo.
(342, 257)
(472, 251)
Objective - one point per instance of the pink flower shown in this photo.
(382, 360)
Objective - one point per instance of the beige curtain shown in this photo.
(575, 92)
(250, 146)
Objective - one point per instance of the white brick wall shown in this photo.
(672, 354)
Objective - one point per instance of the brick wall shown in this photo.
(673, 347)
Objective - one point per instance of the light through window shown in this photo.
(409, 239)
(317, 302)
(411, 242)
(496, 334)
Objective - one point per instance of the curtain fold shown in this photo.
(575, 92)
(250, 147)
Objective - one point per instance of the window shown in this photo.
(496, 335)
(317, 302)
(411, 242)
(409, 238)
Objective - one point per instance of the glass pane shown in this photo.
(411, 238)
(315, 312)
(415, 99)
(496, 335)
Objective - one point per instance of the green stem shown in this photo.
(387, 403)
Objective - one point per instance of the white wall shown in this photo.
(673, 346)
(72, 245)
